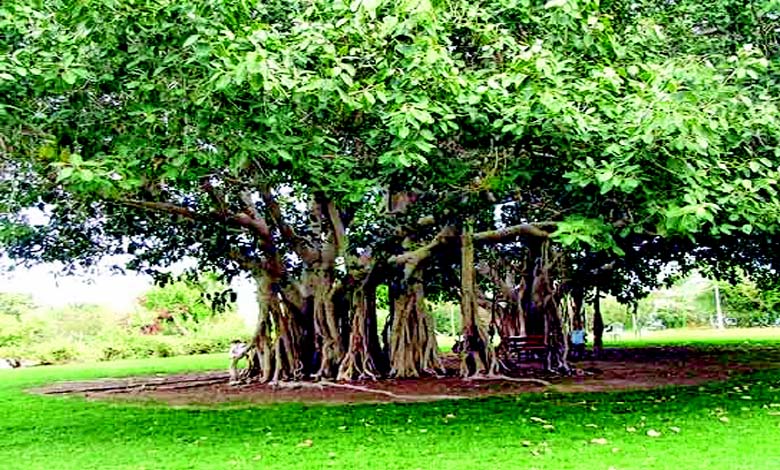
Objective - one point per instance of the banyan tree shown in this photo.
(327, 148)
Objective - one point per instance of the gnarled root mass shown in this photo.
(279, 339)
(363, 358)
(413, 348)
(326, 329)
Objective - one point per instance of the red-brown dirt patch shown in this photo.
(617, 370)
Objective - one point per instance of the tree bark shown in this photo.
(577, 299)
(477, 357)
(364, 358)
(327, 335)
(508, 320)
(413, 348)
(598, 325)
(412, 336)
(324, 289)
(279, 339)
(545, 303)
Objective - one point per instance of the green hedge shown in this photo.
(23, 341)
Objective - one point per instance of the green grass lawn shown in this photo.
(734, 425)
(698, 337)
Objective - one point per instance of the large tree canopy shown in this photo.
(327, 147)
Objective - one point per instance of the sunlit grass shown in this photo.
(693, 336)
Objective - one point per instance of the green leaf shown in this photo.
(422, 115)
(369, 97)
(284, 154)
(604, 176)
(65, 173)
(190, 41)
(86, 175)
(555, 3)
(69, 77)
(346, 79)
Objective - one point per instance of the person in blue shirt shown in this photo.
(577, 343)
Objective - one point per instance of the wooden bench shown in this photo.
(520, 346)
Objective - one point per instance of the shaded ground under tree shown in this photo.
(616, 369)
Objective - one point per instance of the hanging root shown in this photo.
(359, 360)
(413, 348)
(477, 356)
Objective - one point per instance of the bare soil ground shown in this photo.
(618, 369)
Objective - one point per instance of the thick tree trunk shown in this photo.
(261, 365)
(328, 311)
(364, 358)
(577, 300)
(598, 325)
(327, 334)
(413, 348)
(513, 320)
(279, 339)
(546, 304)
(477, 356)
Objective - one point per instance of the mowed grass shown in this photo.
(698, 337)
(733, 425)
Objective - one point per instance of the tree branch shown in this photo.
(165, 207)
(339, 232)
(252, 220)
(276, 214)
(411, 259)
(535, 230)
(303, 246)
(217, 196)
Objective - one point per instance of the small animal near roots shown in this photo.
(617, 370)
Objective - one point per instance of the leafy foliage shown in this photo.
(187, 302)
(85, 332)
(165, 96)
(749, 305)
(15, 304)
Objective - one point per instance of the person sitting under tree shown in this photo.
(238, 350)
(577, 343)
